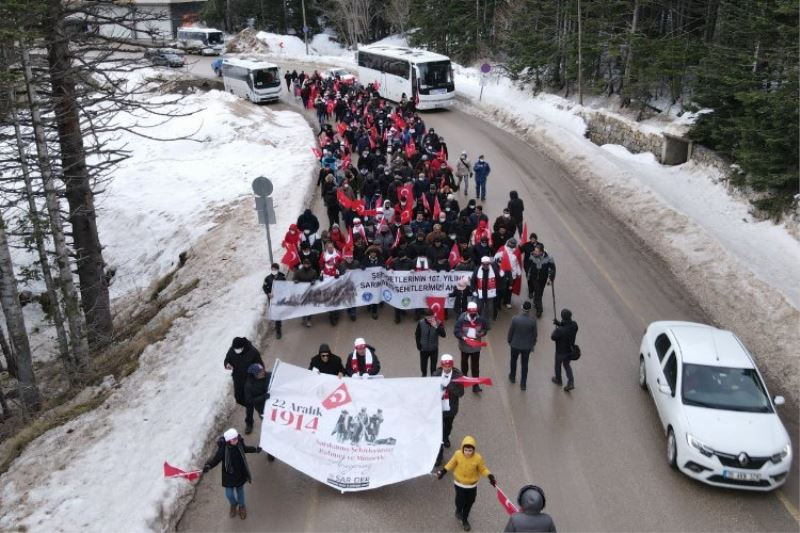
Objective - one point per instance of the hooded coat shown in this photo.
(467, 470)
(531, 517)
(240, 363)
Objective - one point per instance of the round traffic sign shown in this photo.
(305, 29)
(485, 68)
(262, 186)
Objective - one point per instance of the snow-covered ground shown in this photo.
(170, 197)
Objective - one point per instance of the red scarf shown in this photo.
(367, 361)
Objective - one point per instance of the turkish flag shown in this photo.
(410, 149)
(405, 216)
(337, 398)
(436, 208)
(505, 261)
(475, 343)
(455, 256)
(317, 152)
(505, 502)
(171, 471)
(346, 162)
(425, 203)
(407, 191)
(396, 240)
(416, 99)
(291, 258)
(523, 239)
(516, 285)
(341, 127)
(436, 304)
(464, 380)
(344, 200)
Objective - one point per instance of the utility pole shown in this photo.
(305, 26)
(285, 18)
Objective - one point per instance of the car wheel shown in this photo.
(642, 374)
(672, 449)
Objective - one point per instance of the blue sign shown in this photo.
(387, 295)
(305, 29)
(367, 296)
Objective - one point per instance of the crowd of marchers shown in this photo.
(392, 200)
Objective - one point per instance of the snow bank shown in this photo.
(107, 463)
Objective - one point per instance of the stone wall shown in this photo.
(606, 129)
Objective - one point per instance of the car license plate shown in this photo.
(741, 476)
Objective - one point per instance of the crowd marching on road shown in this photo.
(392, 200)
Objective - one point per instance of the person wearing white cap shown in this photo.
(471, 327)
(460, 294)
(463, 172)
(362, 360)
(451, 392)
(231, 451)
(485, 281)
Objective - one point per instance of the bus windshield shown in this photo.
(214, 37)
(264, 78)
(435, 74)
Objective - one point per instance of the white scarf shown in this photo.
(445, 396)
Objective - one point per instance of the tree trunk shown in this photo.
(626, 73)
(77, 327)
(15, 322)
(38, 235)
(580, 56)
(11, 363)
(91, 267)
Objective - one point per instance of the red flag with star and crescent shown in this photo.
(455, 256)
(291, 258)
(436, 304)
(171, 471)
(523, 239)
(337, 398)
(509, 507)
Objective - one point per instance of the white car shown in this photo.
(718, 417)
(344, 75)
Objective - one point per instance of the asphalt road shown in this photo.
(599, 451)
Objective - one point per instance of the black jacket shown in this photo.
(333, 366)
(454, 391)
(240, 361)
(460, 299)
(427, 336)
(255, 391)
(531, 517)
(376, 364)
(564, 335)
(235, 471)
(308, 221)
(269, 280)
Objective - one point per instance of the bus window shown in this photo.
(436, 74)
(215, 37)
(265, 78)
(397, 68)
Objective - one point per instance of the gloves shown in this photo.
(492, 480)
(556, 322)
(206, 468)
(440, 473)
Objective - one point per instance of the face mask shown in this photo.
(307, 231)
(238, 350)
(506, 215)
(274, 272)
(453, 236)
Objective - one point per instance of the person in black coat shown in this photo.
(308, 221)
(240, 356)
(326, 362)
(451, 392)
(362, 360)
(515, 208)
(530, 518)
(274, 275)
(427, 334)
(564, 337)
(256, 391)
(235, 471)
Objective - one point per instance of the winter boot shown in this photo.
(477, 388)
(569, 387)
(242, 512)
(556, 381)
(465, 525)
(248, 429)
(233, 511)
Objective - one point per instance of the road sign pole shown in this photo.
(262, 187)
(269, 244)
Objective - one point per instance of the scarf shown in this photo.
(367, 361)
(446, 393)
(488, 278)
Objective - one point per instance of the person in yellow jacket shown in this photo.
(467, 467)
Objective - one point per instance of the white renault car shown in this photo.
(718, 417)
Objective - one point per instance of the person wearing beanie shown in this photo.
(451, 392)
(564, 337)
(427, 334)
(541, 271)
(470, 328)
(362, 361)
(231, 450)
(272, 277)
(521, 340)
(530, 517)
(240, 356)
(467, 466)
(326, 362)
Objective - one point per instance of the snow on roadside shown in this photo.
(107, 463)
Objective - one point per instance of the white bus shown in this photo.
(251, 79)
(205, 41)
(415, 72)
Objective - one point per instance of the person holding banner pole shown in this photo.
(469, 329)
(429, 329)
(467, 466)
(452, 390)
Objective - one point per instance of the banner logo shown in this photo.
(340, 396)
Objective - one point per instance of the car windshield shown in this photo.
(436, 74)
(265, 78)
(215, 37)
(731, 389)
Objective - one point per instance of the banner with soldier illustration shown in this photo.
(400, 289)
(352, 434)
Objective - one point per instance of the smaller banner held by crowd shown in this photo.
(401, 289)
(352, 434)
